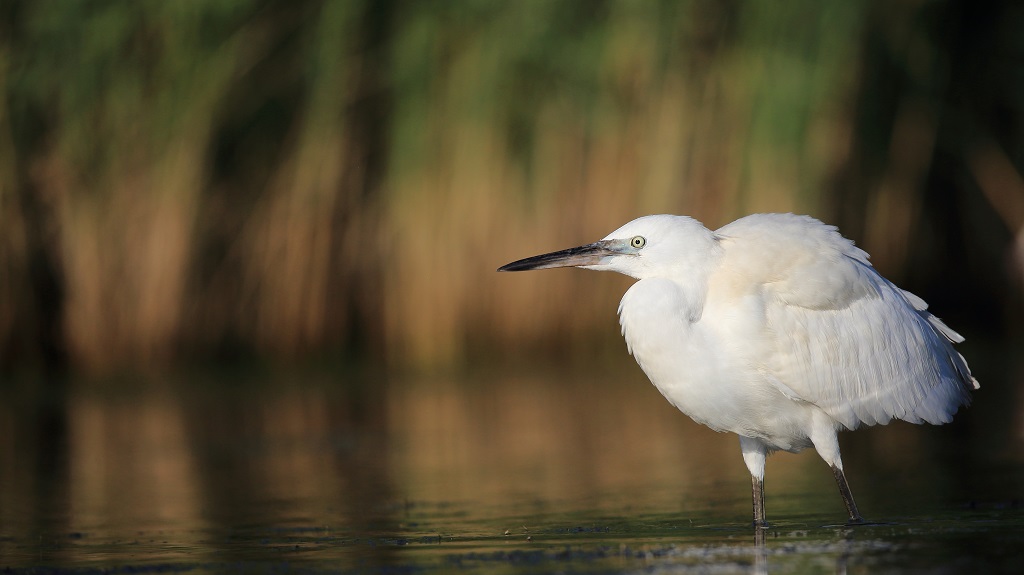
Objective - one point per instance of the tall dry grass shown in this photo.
(208, 179)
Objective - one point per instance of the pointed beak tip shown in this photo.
(516, 266)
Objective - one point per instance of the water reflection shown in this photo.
(370, 473)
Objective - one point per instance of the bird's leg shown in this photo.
(754, 454)
(826, 443)
(758, 496)
(844, 490)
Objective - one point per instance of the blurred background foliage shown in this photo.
(235, 179)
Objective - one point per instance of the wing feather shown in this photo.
(841, 336)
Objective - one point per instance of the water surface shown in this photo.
(548, 471)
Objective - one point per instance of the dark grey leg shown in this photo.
(844, 490)
(758, 496)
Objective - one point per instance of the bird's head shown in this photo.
(651, 246)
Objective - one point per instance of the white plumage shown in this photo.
(778, 329)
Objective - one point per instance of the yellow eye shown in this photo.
(637, 242)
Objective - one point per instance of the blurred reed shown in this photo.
(203, 179)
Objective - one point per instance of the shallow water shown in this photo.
(550, 471)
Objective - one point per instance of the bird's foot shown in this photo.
(856, 521)
(861, 522)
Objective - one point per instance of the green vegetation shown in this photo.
(205, 178)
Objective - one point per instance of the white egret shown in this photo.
(778, 329)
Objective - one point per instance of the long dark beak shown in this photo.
(588, 255)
